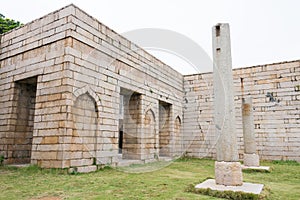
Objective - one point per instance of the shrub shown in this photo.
(1, 159)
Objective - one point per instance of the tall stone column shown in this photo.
(227, 168)
(250, 156)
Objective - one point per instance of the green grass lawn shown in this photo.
(168, 182)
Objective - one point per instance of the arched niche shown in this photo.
(150, 133)
(177, 136)
(85, 121)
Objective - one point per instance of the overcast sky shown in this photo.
(262, 31)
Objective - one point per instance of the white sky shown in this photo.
(262, 31)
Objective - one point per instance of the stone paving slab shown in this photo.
(19, 165)
(266, 168)
(246, 187)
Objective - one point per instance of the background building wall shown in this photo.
(276, 101)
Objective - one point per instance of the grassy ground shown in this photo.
(169, 182)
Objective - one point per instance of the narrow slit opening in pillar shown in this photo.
(121, 117)
(218, 30)
(24, 106)
(164, 129)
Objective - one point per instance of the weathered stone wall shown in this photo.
(80, 64)
(35, 50)
(276, 101)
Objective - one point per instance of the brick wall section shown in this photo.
(276, 118)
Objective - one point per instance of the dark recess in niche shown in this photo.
(218, 30)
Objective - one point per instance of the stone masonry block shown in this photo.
(87, 169)
(50, 163)
(81, 162)
(50, 140)
(251, 160)
(228, 173)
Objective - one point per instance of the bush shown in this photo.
(1, 159)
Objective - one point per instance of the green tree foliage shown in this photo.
(7, 24)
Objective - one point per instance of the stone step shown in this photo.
(19, 165)
(124, 162)
(85, 169)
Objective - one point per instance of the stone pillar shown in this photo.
(250, 156)
(227, 168)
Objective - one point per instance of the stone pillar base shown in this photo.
(228, 173)
(251, 159)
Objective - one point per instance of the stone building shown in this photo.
(75, 94)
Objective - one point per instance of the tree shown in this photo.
(7, 24)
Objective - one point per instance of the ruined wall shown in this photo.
(276, 101)
(80, 64)
(72, 70)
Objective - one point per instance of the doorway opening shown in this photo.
(164, 129)
(129, 125)
(24, 101)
